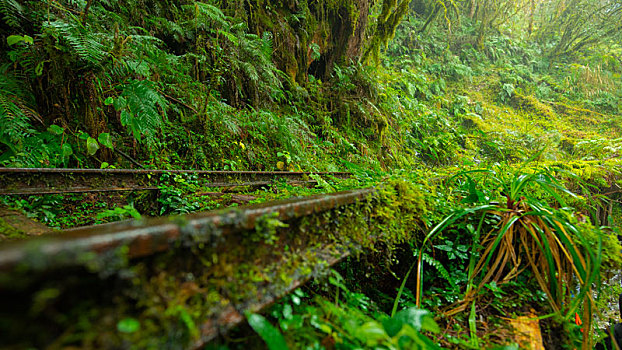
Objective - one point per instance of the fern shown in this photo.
(83, 41)
(12, 13)
(254, 61)
(438, 266)
(14, 114)
(206, 16)
(139, 105)
(167, 27)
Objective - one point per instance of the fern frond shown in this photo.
(12, 13)
(206, 16)
(142, 103)
(81, 40)
(250, 70)
(14, 114)
(439, 268)
(266, 45)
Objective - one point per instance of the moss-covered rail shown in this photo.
(34, 181)
(183, 281)
(147, 237)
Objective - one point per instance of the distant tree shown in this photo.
(491, 14)
(576, 25)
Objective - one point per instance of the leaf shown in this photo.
(56, 130)
(119, 103)
(67, 150)
(273, 338)
(105, 139)
(392, 326)
(108, 101)
(39, 68)
(91, 146)
(128, 325)
(126, 118)
(371, 333)
(419, 319)
(14, 39)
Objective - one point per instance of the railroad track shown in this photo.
(215, 266)
(40, 181)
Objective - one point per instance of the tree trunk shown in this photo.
(532, 10)
(472, 9)
(431, 18)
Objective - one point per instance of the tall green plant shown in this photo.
(15, 113)
(530, 234)
(142, 109)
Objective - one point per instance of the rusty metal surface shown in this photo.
(27, 181)
(146, 237)
(160, 171)
(37, 191)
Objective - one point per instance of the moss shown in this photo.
(173, 295)
(533, 105)
(9, 232)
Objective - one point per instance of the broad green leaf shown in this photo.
(14, 39)
(273, 338)
(392, 326)
(91, 146)
(56, 130)
(108, 101)
(128, 325)
(419, 319)
(371, 333)
(67, 150)
(105, 139)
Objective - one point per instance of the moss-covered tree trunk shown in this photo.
(310, 37)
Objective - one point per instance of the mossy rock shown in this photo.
(531, 104)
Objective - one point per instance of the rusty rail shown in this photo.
(36, 181)
(146, 237)
(40, 258)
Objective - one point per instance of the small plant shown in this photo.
(120, 213)
(506, 93)
(173, 196)
(266, 228)
(273, 338)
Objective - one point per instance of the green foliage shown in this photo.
(128, 325)
(266, 228)
(82, 41)
(268, 333)
(551, 240)
(15, 115)
(138, 105)
(172, 194)
(351, 321)
(12, 13)
(120, 213)
(507, 91)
